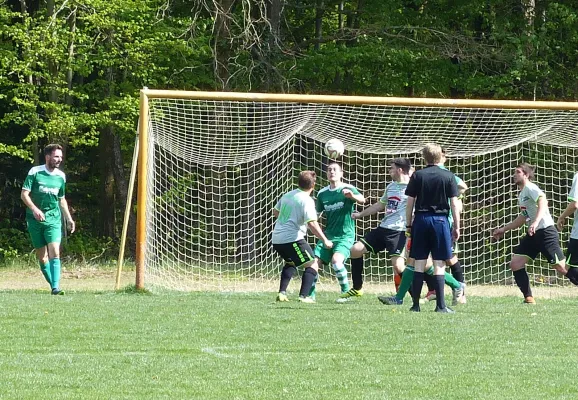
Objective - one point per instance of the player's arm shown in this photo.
(276, 213)
(64, 208)
(354, 195)
(455, 205)
(316, 230)
(409, 212)
(542, 208)
(372, 209)
(462, 187)
(515, 224)
(25, 196)
(570, 209)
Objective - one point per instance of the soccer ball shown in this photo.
(334, 148)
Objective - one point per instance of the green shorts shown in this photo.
(341, 246)
(44, 232)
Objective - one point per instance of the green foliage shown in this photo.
(86, 247)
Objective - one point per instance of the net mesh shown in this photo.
(216, 169)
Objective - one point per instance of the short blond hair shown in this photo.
(432, 153)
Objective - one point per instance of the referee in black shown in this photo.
(432, 191)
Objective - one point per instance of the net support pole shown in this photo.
(142, 190)
(127, 212)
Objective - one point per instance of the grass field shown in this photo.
(104, 345)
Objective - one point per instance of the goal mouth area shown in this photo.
(214, 165)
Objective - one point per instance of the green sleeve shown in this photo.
(28, 182)
(319, 205)
(62, 190)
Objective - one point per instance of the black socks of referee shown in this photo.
(286, 275)
(357, 272)
(523, 281)
(457, 271)
(572, 275)
(309, 276)
(416, 286)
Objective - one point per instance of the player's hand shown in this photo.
(347, 193)
(328, 244)
(455, 234)
(356, 215)
(532, 229)
(39, 215)
(498, 233)
(560, 223)
(408, 232)
(71, 226)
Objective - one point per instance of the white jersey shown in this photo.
(395, 201)
(573, 196)
(528, 201)
(296, 209)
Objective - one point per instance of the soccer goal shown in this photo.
(212, 166)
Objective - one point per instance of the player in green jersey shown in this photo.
(337, 202)
(43, 193)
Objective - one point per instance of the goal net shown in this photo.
(215, 169)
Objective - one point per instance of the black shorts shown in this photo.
(572, 253)
(380, 239)
(545, 241)
(296, 253)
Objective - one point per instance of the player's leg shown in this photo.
(394, 242)
(42, 257)
(374, 241)
(288, 253)
(36, 231)
(398, 266)
(552, 251)
(422, 243)
(340, 254)
(323, 256)
(403, 267)
(308, 280)
(441, 251)
(528, 249)
(357, 252)
(53, 236)
(459, 294)
(572, 261)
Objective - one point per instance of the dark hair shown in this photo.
(307, 180)
(527, 169)
(402, 163)
(51, 148)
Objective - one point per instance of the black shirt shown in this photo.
(432, 187)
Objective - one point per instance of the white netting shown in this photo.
(216, 169)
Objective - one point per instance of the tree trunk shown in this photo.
(107, 198)
(222, 48)
(319, 12)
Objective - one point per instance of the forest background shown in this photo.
(71, 71)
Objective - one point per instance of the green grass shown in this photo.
(88, 345)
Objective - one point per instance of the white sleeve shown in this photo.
(309, 212)
(573, 195)
(535, 193)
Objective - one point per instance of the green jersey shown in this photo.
(46, 189)
(337, 209)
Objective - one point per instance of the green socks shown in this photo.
(448, 278)
(55, 272)
(341, 274)
(45, 268)
(313, 286)
(406, 281)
